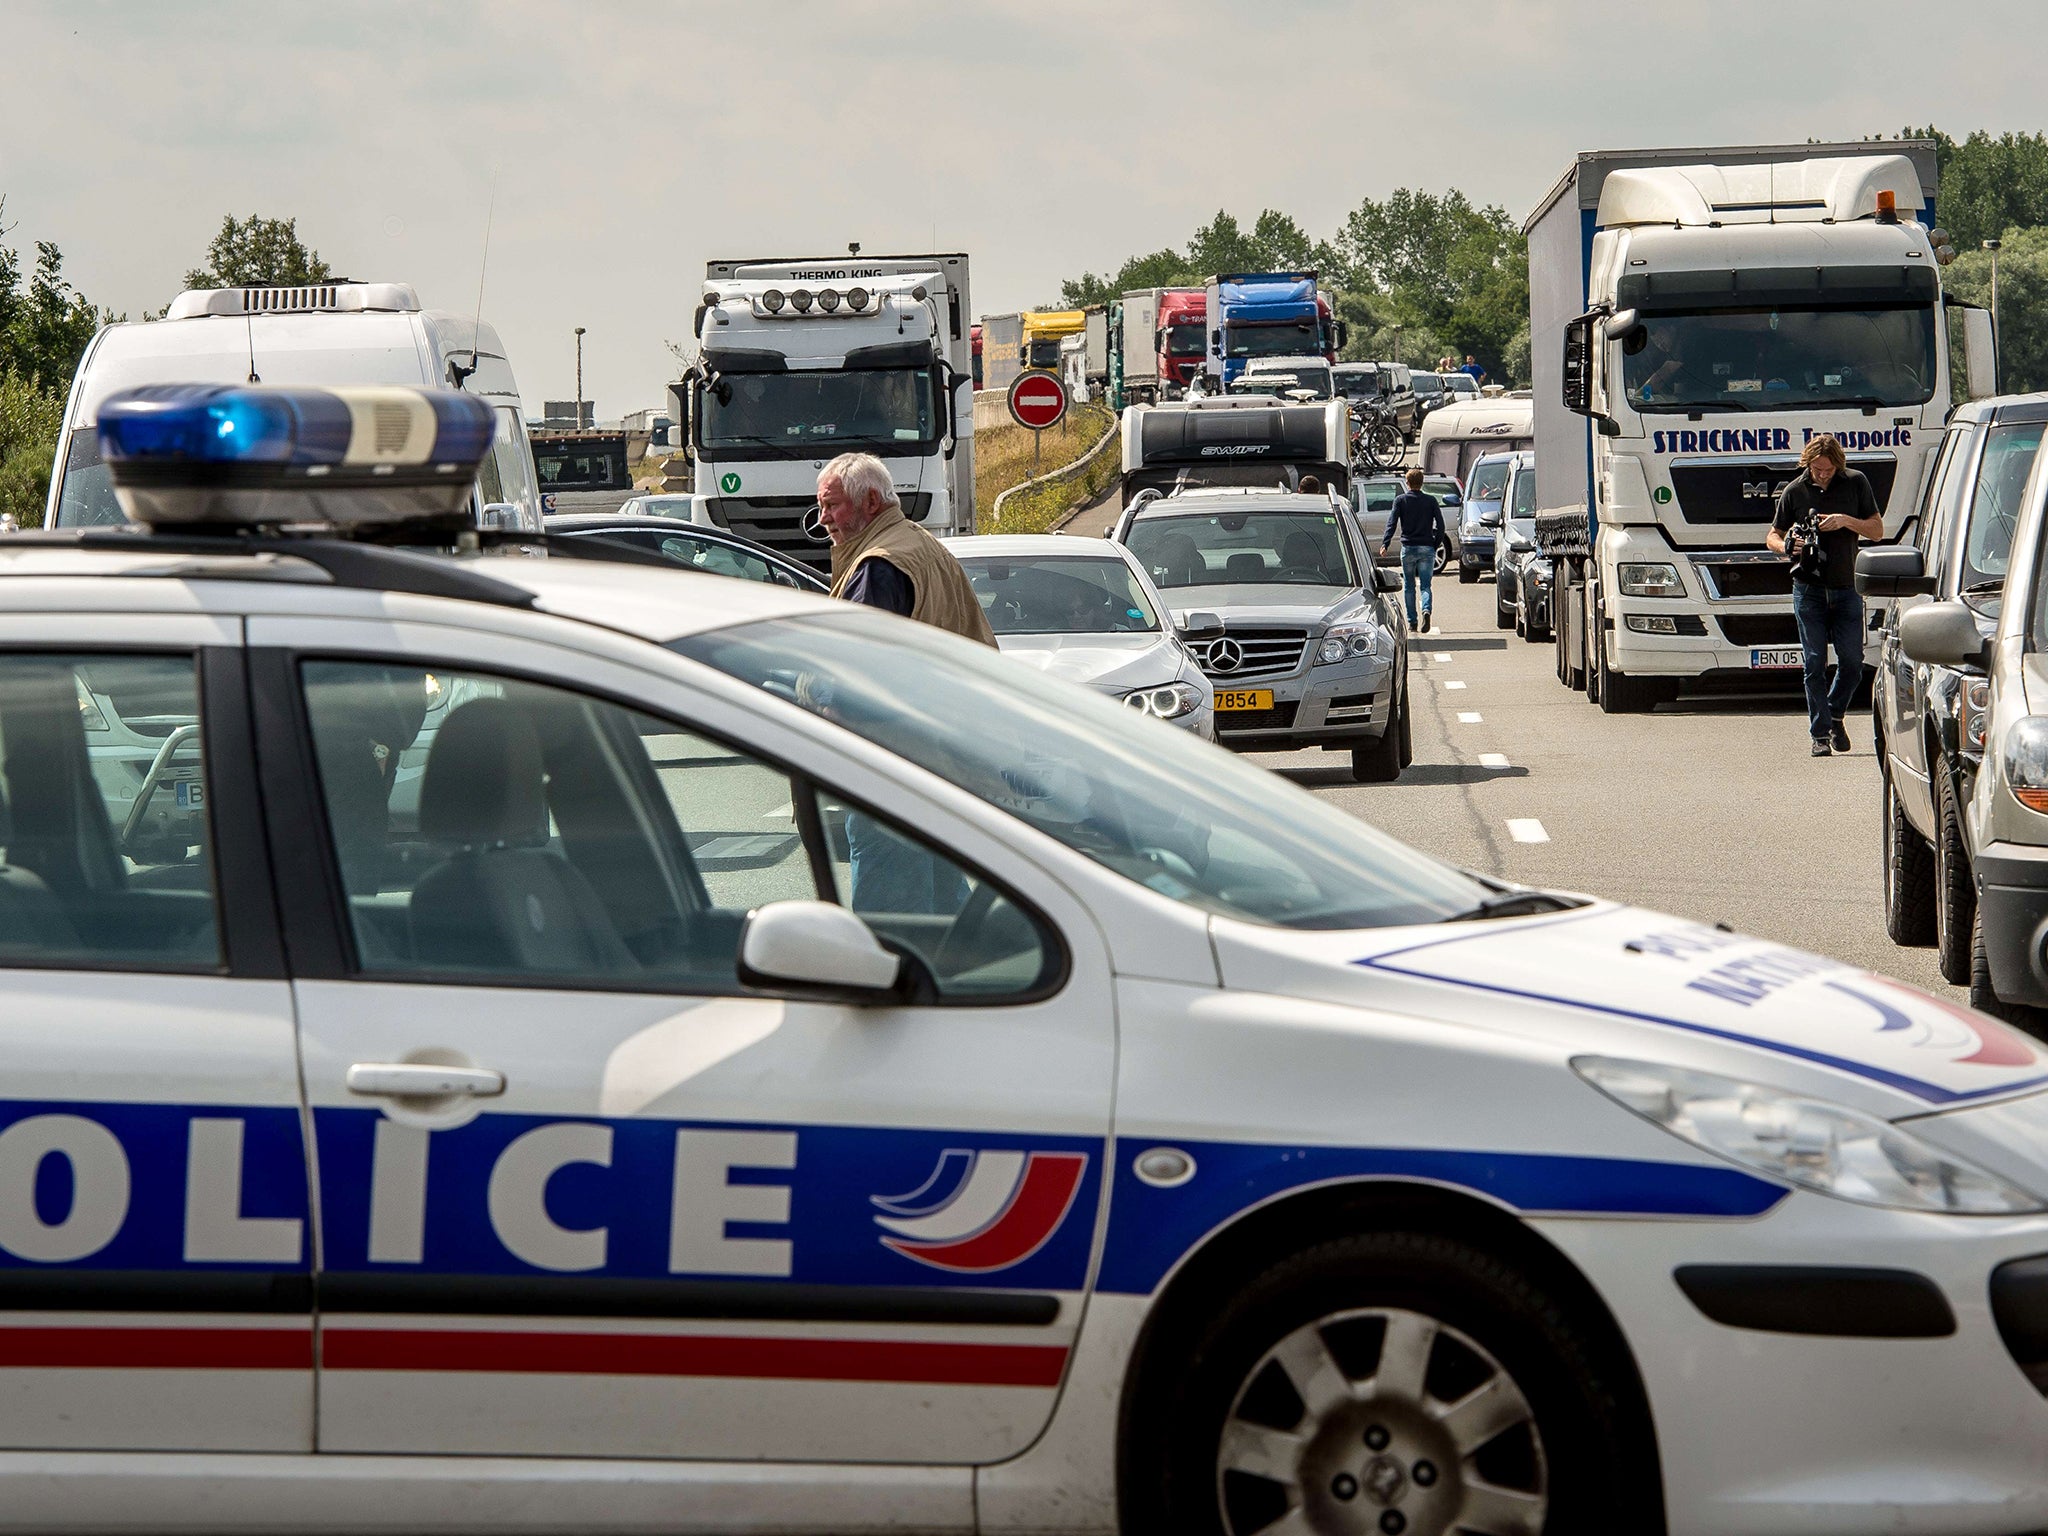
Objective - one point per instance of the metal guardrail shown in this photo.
(1079, 469)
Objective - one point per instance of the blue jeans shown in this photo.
(1828, 616)
(1418, 564)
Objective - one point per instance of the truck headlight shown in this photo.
(1814, 1145)
(2026, 762)
(1650, 580)
(1348, 640)
(1168, 702)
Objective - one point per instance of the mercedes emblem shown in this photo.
(1224, 655)
(814, 527)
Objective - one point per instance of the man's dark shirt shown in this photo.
(881, 585)
(1848, 493)
(1420, 520)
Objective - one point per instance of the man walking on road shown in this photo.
(883, 559)
(1472, 367)
(1825, 510)
(1421, 522)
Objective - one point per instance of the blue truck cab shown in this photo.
(1267, 314)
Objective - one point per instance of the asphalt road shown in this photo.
(1711, 808)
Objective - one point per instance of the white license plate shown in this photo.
(1777, 658)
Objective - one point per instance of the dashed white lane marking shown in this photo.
(1527, 829)
(1469, 717)
(780, 813)
(1439, 655)
(1454, 685)
(1493, 760)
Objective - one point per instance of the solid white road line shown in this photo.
(1493, 760)
(1468, 717)
(1527, 829)
(1454, 685)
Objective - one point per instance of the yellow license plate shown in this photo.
(1244, 698)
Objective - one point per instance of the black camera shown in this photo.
(1803, 545)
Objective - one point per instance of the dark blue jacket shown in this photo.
(1420, 520)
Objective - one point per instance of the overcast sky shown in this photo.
(629, 142)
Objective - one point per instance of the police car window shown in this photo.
(103, 814)
(2002, 471)
(977, 941)
(1139, 797)
(496, 829)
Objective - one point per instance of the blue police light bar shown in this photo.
(251, 455)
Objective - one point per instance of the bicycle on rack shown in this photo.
(1376, 443)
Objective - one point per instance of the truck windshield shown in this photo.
(1287, 338)
(1043, 595)
(1289, 549)
(1186, 340)
(1196, 824)
(1781, 359)
(1044, 353)
(799, 414)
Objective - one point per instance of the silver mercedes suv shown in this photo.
(1314, 650)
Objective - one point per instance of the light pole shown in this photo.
(579, 378)
(1397, 343)
(1992, 246)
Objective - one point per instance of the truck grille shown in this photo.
(1261, 650)
(1770, 577)
(1748, 493)
(1759, 628)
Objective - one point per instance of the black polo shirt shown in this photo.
(1848, 493)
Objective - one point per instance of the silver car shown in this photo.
(1314, 651)
(1084, 610)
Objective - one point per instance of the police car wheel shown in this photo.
(1403, 1372)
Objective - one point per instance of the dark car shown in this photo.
(1386, 384)
(1372, 499)
(1515, 548)
(1479, 519)
(692, 545)
(1930, 719)
(1430, 392)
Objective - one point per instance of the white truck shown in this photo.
(1696, 316)
(800, 360)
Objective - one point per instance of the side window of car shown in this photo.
(979, 943)
(493, 828)
(1951, 481)
(103, 814)
(719, 559)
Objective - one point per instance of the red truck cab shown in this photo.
(1183, 337)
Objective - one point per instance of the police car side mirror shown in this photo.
(1943, 635)
(1197, 627)
(1892, 572)
(816, 951)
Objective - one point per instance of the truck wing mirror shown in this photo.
(1578, 365)
(1980, 354)
(1621, 325)
(1892, 571)
(1943, 635)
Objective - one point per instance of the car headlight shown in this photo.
(1815, 1145)
(1167, 702)
(1650, 581)
(1348, 640)
(2026, 761)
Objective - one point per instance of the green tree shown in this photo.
(45, 324)
(1988, 184)
(258, 250)
(2022, 303)
(30, 415)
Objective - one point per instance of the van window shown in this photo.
(86, 499)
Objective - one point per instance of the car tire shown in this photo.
(1467, 574)
(1908, 864)
(1253, 1413)
(1503, 616)
(1407, 723)
(1443, 558)
(1955, 897)
(1378, 761)
(2022, 1016)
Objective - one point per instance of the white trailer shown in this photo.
(804, 359)
(1696, 316)
(1134, 333)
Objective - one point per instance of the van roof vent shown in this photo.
(339, 297)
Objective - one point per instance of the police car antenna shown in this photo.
(457, 374)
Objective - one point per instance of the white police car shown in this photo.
(778, 1068)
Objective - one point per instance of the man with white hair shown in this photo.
(883, 559)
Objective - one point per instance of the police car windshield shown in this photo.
(1779, 359)
(1138, 797)
(1059, 595)
(799, 415)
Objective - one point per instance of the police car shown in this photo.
(627, 1050)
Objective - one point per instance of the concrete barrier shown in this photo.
(991, 408)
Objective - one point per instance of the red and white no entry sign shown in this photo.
(1037, 400)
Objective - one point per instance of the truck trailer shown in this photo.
(1696, 316)
(1002, 350)
(802, 359)
(1157, 339)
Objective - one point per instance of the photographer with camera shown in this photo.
(1821, 516)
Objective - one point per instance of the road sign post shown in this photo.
(1037, 401)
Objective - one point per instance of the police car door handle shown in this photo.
(423, 1080)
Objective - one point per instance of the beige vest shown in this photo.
(943, 596)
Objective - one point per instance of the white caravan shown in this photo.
(1457, 436)
(802, 360)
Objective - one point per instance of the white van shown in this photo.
(317, 333)
(1455, 437)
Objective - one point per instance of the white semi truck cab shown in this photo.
(1700, 316)
(802, 360)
